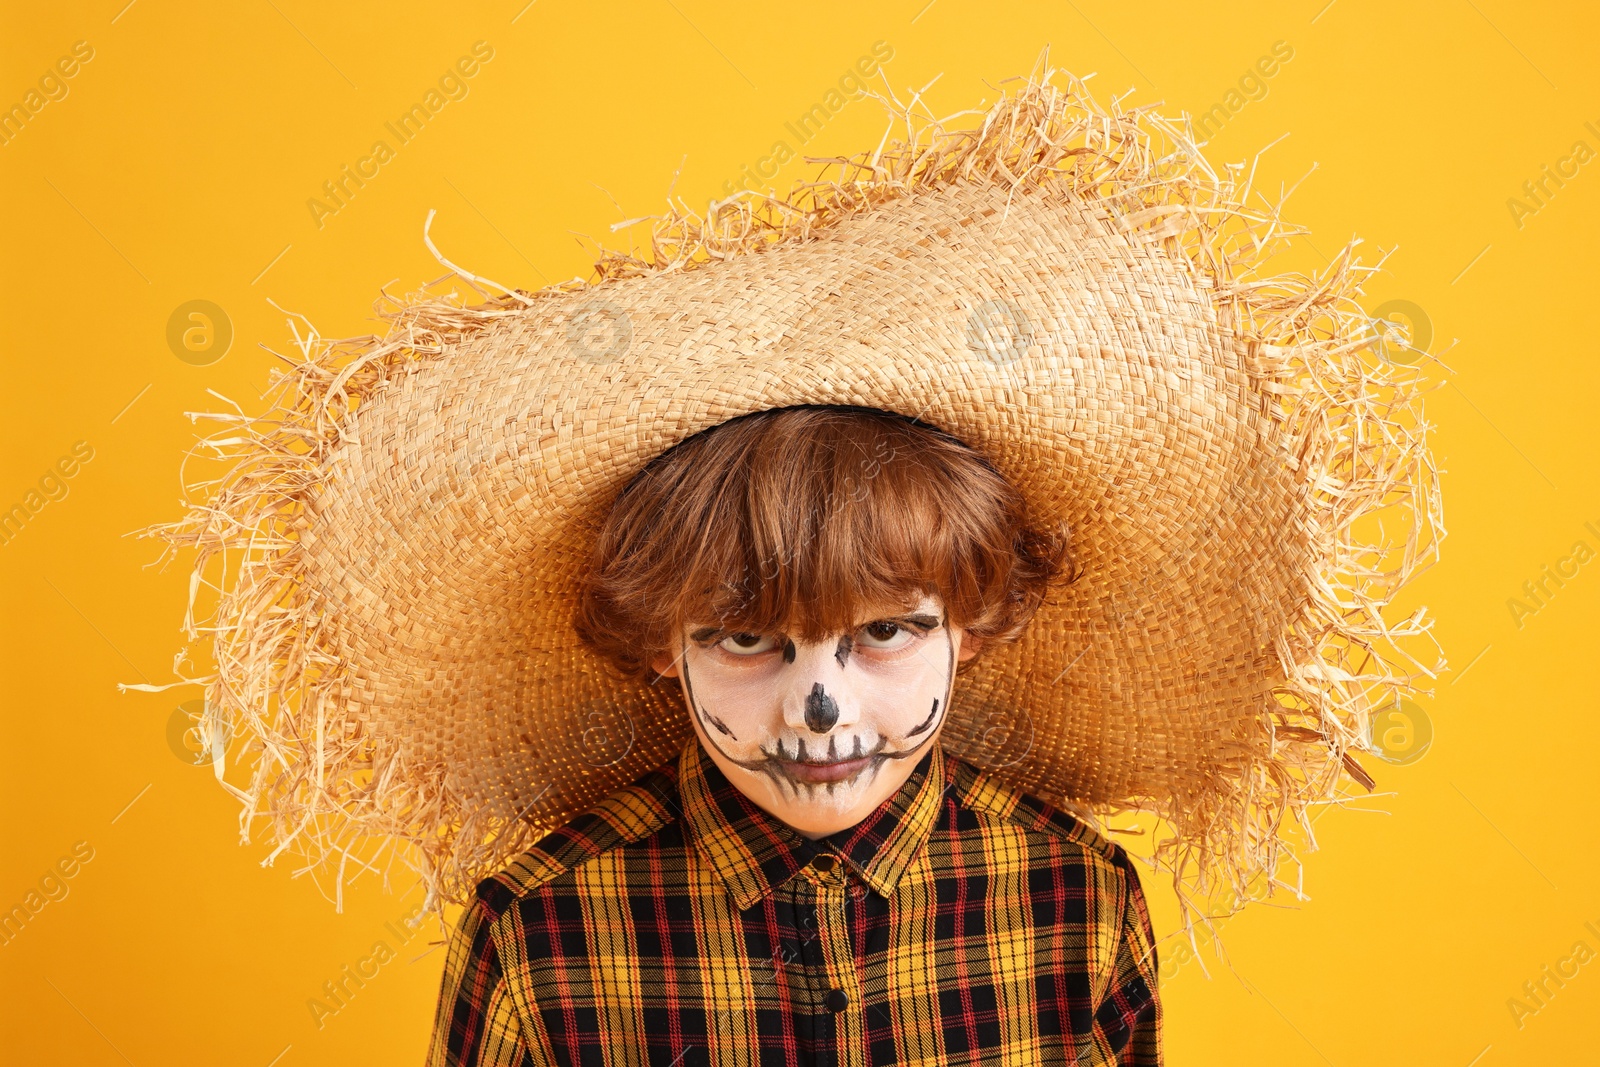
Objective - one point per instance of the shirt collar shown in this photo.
(754, 853)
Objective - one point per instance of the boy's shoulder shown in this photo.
(631, 814)
(988, 796)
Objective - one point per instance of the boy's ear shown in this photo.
(971, 644)
(664, 665)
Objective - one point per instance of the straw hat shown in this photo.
(1069, 288)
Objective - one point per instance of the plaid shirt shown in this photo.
(676, 923)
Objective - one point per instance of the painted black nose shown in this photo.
(822, 711)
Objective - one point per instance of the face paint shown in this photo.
(821, 734)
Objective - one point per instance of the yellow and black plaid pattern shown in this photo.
(676, 923)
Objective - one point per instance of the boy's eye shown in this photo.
(884, 635)
(747, 644)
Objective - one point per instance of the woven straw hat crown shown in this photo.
(1069, 289)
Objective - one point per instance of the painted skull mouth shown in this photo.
(799, 768)
(799, 756)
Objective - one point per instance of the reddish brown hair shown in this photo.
(800, 520)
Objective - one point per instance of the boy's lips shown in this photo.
(836, 771)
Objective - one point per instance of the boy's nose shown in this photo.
(822, 711)
(819, 697)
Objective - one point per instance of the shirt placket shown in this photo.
(838, 977)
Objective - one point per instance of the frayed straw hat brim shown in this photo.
(1067, 287)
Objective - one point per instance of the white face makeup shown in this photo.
(821, 734)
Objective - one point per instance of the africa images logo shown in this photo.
(451, 85)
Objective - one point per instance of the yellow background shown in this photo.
(178, 168)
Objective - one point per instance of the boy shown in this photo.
(814, 880)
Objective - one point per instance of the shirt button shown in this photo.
(824, 863)
(838, 1000)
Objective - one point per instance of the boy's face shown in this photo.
(821, 734)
